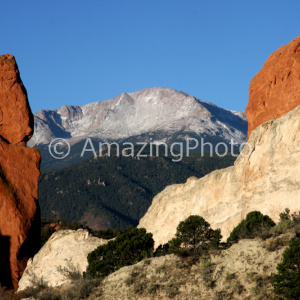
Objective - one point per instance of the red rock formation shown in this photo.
(19, 173)
(275, 90)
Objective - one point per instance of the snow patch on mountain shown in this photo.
(134, 114)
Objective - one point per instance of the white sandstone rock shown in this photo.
(267, 180)
(64, 249)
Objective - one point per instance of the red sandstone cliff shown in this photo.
(275, 90)
(19, 173)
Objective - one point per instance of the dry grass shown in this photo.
(79, 288)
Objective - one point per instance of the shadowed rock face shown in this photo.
(19, 173)
(275, 90)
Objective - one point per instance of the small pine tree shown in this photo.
(250, 227)
(286, 282)
(285, 215)
(194, 232)
(127, 249)
(217, 236)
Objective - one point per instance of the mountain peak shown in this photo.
(160, 110)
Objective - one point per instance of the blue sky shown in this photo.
(75, 52)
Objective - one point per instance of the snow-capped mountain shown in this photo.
(160, 113)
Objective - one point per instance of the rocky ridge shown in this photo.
(19, 173)
(158, 113)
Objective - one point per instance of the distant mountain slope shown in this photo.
(160, 113)
(116, 191)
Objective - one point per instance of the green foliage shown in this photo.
(111, 233)
(287, 223)
(127, 248)
(289, 220)
(217, 236)
(162, 250)
(194, 233)
(285, 215)
(251, 227)
(174, 246)
(107, 234)
(116, 191)
(286, 282)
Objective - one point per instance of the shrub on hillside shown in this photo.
(252, 226)
(161, 250)
(111, 233)
(127, 249)
(287, 221)
(286, 282)
(193, 234)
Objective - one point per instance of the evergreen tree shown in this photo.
(217, 236)
(286, 282)
(127, 249)
(194, 232)
(254, 223)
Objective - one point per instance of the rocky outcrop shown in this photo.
(66, 251)
(275, 90)
(265, 177)
(19, 173)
